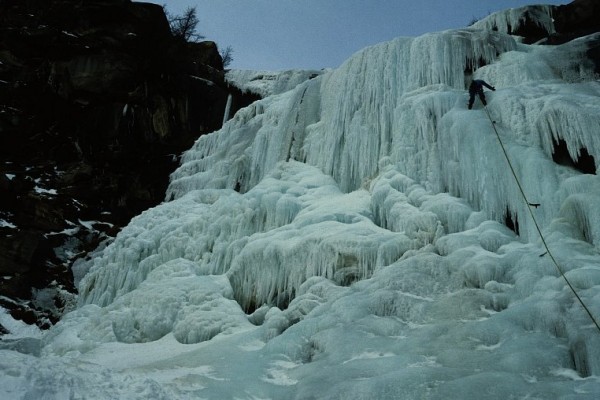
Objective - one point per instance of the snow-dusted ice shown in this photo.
(346, 239)
(267, 83)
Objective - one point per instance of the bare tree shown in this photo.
(184, 26)
(227, 56)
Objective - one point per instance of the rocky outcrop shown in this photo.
(97, 101)
(576, 19)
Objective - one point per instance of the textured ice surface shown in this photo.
(346, 239)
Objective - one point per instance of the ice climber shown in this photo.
(476, 87)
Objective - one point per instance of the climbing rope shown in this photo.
(529, 207)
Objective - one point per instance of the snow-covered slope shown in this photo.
(346, 240)
(267, 83)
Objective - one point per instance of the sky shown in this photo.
(314, 34)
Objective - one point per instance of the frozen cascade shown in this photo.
(226, 114)
(375, 108)
(354, 224)
(279, 230)
(257, 137)
(362, 99)
(271, 130)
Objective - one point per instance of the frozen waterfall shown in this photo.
(345, 237)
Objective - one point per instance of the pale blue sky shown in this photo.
(315, 34)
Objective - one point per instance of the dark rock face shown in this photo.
(529, 30)
(576, 19)
(97, 100)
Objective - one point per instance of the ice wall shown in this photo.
(370, 199)
(343, 123)
(398, 103)
(390, 100)
(362, 101)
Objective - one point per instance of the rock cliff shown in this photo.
(97, 100)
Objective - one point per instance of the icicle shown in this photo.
(227, 108)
